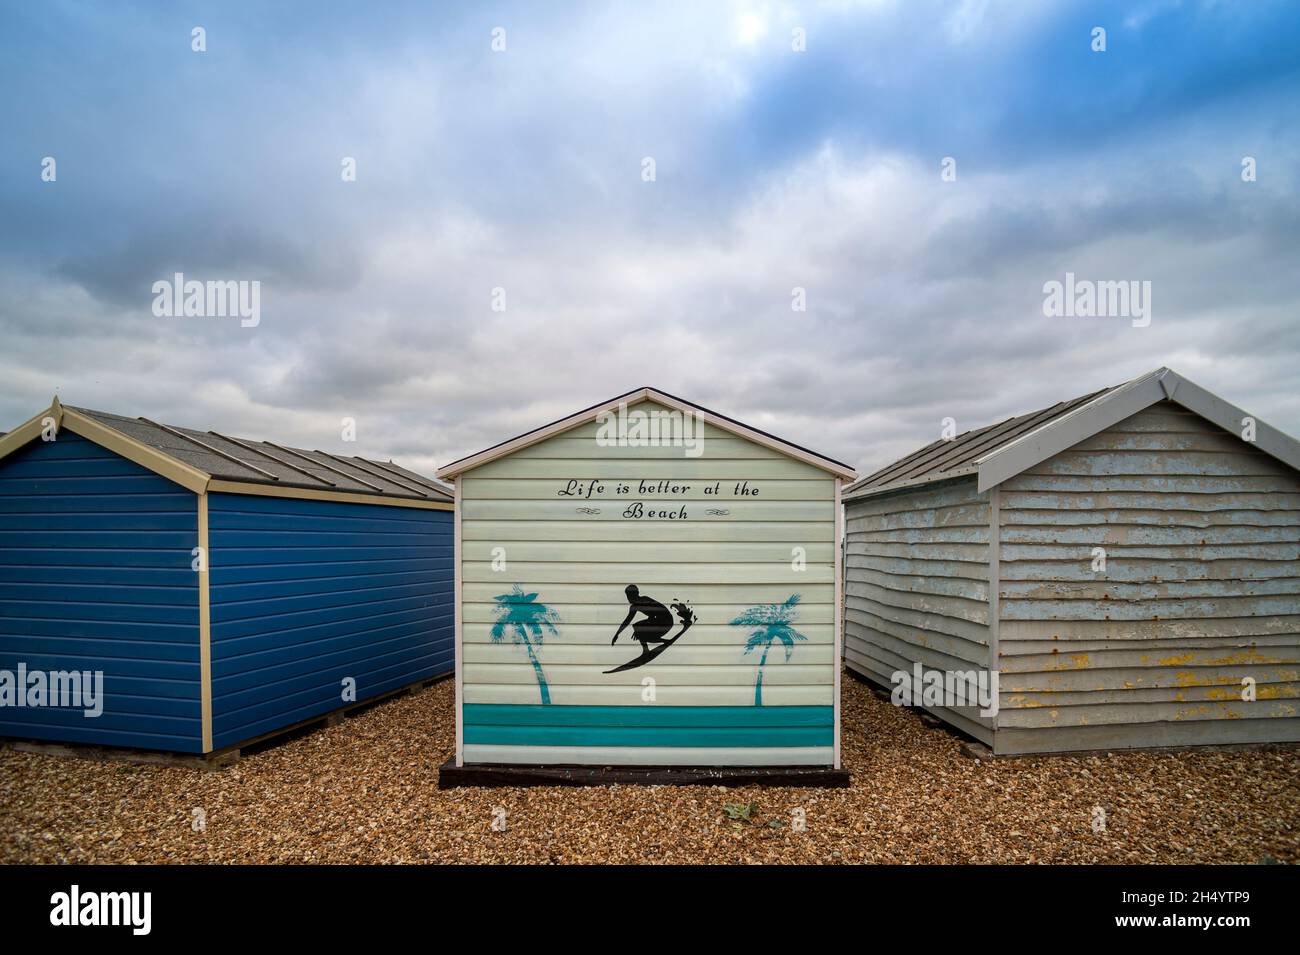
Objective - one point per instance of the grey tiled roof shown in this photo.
(951, 458)
(262, 462)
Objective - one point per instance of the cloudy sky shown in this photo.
(524, 169)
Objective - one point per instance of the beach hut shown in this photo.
(163, 588)
(1125, 564)
(646, 583)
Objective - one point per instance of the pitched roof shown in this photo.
(636, 396)
(200, 457)
(1000, 451)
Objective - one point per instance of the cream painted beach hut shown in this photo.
(1128, 563)
(647, 583)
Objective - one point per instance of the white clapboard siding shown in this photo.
(1201, 533)
(697, 541)
(667, 693)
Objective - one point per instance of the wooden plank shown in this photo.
(451, 776)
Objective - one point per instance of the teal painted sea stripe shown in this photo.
(724, 726)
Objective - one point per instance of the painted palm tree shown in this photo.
(527, 622)
(771, 623)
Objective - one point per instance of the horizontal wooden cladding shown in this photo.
(681, 469)
(1180, 484)
(1013, 632)
(578, 639)
(1144, 650)
(601, 655)
(699, 594)
(890, 634)
(1152, 439)
(861, 559)
(667, 693)
(965, 718)
(651, 716)
(1083, 552)
(816, 550)
(974, 516)
(1178, 518)
(777, 672)
(1202, 504)
(949, 494)
(962, 588)
(1219, 679)
(547, 489)
(968, 553)
(901, 652)
(1144, 570)
(1101, 714)
(1138, 534)
(1117, 736)
(922, 535)
(1173, 608)
(620, 532)
(932, 623)
(732, 511)
(308, 593)
(925, 604)
(573, 447)
(477, 753)
(95, 575)
(1113, 591)
(684, 574)
(1161, 463)
(608, 610)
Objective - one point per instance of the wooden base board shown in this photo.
(222, 758)
(451, 776)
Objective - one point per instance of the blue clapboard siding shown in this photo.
(95, 574)
(744, 726)
(307, 593)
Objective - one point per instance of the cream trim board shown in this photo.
(31, 429)
(839, 613)
(187, 477)
(205, 626)
(458, 620)
(635, 398)
(310, 494)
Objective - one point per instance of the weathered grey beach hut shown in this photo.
(647, 583)
(1127, 562)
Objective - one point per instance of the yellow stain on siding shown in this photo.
(1076, 661)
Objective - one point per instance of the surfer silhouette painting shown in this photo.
(653, 629)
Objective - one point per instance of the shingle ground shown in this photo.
(366, 791)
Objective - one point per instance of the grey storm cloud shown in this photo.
(522, 172)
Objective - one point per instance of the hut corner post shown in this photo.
(995, 586)
(840, 547)
(457, 611)
(205, 624)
